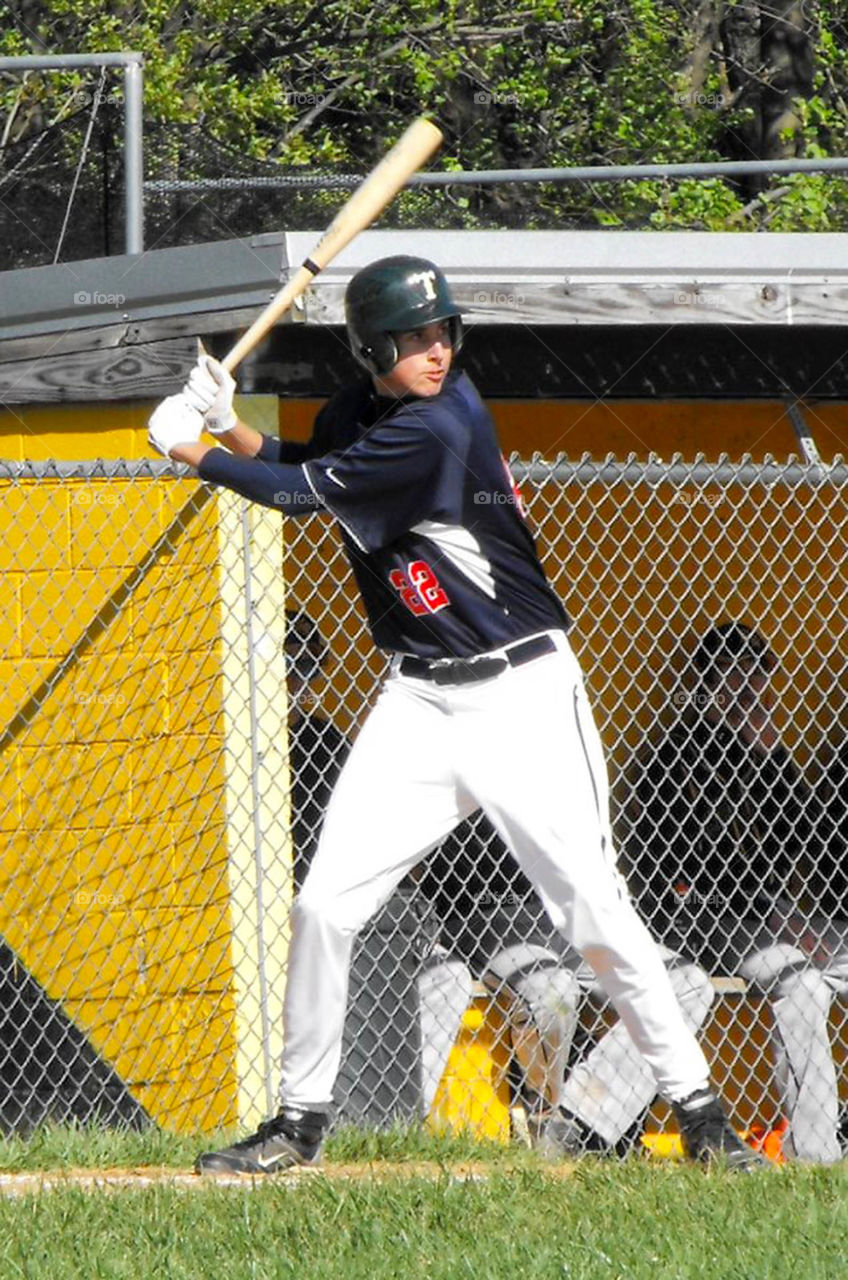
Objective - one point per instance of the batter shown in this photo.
(484, 705)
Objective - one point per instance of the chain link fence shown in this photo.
(183, 675)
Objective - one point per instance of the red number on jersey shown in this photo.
(428, 586)
(421, 592)
(408, 594)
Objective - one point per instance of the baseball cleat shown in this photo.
(708, 1137)
(278, 1144)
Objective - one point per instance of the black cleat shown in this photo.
(708, 1137)
(277, 1145)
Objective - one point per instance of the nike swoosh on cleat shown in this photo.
(269, 1164)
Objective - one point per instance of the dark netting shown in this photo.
(38, 176)
(36, 180)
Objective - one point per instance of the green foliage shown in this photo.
(545, 84)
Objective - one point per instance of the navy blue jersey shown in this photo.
(432, 523)
(430, 517)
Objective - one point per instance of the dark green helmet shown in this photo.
(394, 295)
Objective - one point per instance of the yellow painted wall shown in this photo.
(112, 718)
(664, 427)
(121, 915)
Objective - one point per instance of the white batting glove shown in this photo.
(210, 389)
(173, 422)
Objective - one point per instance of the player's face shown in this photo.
(424, 360)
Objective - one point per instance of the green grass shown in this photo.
(91, 1147)
(94, 1147)
(607, 1220)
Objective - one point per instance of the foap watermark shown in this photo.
(95, 498)
(282, 498)
(85, 899)
(698, 98)
(484, 98)
(307, 698)
(496, 498)
(300, 98)
(82, 98)
(488, 898)
(498, 298)
(697, 298)
(697, 898)
(99, 698)
(699, 698)
(685, 498)
(96, 299)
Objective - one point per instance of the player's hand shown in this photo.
(210, 389)
(173, 422)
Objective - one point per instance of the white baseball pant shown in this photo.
(522, 746)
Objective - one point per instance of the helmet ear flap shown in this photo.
(457, 333)
(378, 357)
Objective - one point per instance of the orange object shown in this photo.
(769, 1141)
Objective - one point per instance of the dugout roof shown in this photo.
(573, 313)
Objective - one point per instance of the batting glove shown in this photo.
(210, 389)
(173, 422)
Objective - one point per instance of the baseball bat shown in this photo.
(385, 180)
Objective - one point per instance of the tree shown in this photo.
(300, 87)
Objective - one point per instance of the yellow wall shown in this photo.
(549, 427)
(113, 719)
(664, 427)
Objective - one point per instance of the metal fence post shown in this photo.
(256, 793)
(132, 63)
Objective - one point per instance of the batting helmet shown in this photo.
(394, 295)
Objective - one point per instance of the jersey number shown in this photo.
(419, 588)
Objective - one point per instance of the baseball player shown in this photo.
(484, 705)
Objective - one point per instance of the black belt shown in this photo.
(469, 670)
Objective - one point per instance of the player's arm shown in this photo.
(281, 485)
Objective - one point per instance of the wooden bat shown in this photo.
(369, 199)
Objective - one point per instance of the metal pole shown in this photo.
(133, 160)
(632, 172)
(580, 471)
(65, 61)
(256, 790)
(132, 63)
(494, 177)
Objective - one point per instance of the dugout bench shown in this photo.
(474, 1093)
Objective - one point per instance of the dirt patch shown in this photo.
(34, 1183)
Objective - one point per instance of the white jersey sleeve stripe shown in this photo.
(463, 550)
